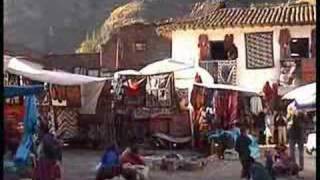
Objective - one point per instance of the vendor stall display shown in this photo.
(20, 161)
(69, 97)
(217, 106)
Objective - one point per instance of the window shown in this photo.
(140, 46)
(299, 48)
(217, 50)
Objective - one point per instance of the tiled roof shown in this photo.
(297, 14)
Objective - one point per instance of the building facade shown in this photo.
(249, 46)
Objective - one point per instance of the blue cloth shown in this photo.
(110, 158)
(254, 148)
(11, 91)
(30, 124)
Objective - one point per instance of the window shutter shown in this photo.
(284, 39)
(203, 45)
(313, 43)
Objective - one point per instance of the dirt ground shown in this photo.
(80, 165)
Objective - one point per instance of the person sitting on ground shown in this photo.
(133, 165)
(258, 171)
(283, 163)
(109, 165)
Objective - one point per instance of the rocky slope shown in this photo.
(60, 26)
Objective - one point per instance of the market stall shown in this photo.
(220, 106)
(69, 95)
(20, 122)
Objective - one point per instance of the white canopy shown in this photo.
(229, 87)
(35, 72)
(91, 87)
(302, 93)
(304, 96)
(184, 73)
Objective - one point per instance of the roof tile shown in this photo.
(297, 14)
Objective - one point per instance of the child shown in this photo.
(242, 147)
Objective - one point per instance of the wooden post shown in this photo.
(117, 53)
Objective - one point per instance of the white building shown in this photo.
(260, 36)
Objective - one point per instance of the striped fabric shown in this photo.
(67, 120)
(259, 50)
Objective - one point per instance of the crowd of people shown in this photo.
(279, 162)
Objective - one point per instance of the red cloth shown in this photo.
(275, 89)
(198, 78)
(268, 92)
(131, 158)
(227, 108)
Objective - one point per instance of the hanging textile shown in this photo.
(227, 72)
(12, 91)
(160, 90)
(67, 120)
(259, 50)
(134, 90)
(284, 39)
(30, 124)
(313, 43)
(66, 95)
(203, 45)
(227, 108)
(256, 105)
(73, 96)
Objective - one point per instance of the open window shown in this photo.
(217, 50)
(299, 48)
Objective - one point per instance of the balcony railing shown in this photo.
(223, 71)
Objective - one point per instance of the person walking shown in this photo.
(269, 131)
(49, 156)
(242, 147)
(281, 122)
(296, 136)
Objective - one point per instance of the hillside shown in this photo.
(60, 26)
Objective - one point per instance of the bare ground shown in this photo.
(80, 165)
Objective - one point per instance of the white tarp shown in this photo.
(32, 71)
(91, 87)
(245, 90)
(184, 74)
(302, 92)
(304, 97)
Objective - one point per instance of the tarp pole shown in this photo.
(54, 120)
(191, 127)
